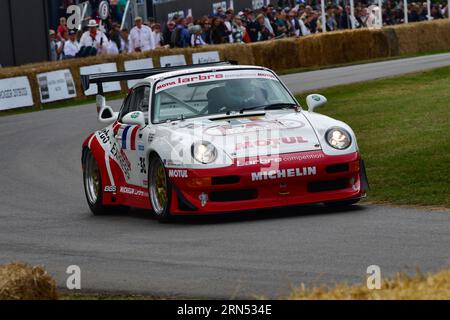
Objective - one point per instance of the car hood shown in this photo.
(269, 133)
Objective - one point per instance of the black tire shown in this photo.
(342, 204)
(159, 189)
(95, 201)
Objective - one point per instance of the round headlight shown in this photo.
(204, 152)
(339, 138)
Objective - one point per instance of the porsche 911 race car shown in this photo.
(216, 138)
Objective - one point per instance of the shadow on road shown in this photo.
(256, 215)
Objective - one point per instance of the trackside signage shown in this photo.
(101, 68)
(213, 76)
(172, 61)
(56, 85)
(15, 93)
(205, 57)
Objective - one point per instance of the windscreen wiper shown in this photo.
(273, 106)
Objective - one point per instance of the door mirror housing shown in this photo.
(135, 118)
(107, 115)
(315, 101)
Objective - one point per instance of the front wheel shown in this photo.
(160, 189)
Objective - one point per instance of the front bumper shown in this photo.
(269, 182)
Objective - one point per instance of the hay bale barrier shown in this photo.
(20, 281)
(316, 50)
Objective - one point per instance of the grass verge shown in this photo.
(403, 127)
(434, 286)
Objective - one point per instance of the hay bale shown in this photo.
(19, 281)
(421, 37)
(277, 54)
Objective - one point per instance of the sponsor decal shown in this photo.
(283, 174)
(276, 142)
(122, 160)
(128, 134)
(135, 115)
(143, 165)
(141, 147)
(249, 125)
(182, 174)
(268, 160)
(203, 199)
(110, 189)
(133, 192)
(188, 80)
(103, 135)
(316, 98)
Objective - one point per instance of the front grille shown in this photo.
(330, 185)
(233, 195)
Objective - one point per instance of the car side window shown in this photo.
(125, 107)
(138, 100)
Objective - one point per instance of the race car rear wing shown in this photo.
(101, 78)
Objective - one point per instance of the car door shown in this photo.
(130, 139)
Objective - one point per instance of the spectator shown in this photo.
(206, 26)
(124, 40)
(263, 33)
(72, 46)
(62, 27)
(55, 46)
(196, 37)
(238, 30)
(298, 27)
(157, 36)
(180, 36)
(93, 41)
(253, 27)
(141, 38)
(228, 23)
(218, 31)
(167, 33)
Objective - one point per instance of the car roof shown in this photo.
(182, 72)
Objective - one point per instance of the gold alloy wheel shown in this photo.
(158, 187)
(92, 179)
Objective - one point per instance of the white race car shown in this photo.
(216, 138)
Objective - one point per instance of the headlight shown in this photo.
(338, 138)
(204, 152)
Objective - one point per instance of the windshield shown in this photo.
(217, 93)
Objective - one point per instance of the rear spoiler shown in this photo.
(100, 78)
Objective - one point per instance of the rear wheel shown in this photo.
(342, 204)
(93, 187)
(160, 189)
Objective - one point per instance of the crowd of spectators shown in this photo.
(228, 26)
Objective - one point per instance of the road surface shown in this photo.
(44, 219)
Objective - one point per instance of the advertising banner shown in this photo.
(140, 64)
(101, 68)
(15, 93)
(205, 57)
(56, 85)
(173, 61)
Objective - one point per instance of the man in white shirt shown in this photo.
(298, 26)
(71, 47)
(141, 37)
(94, 39)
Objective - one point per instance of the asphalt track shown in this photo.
(44, 220)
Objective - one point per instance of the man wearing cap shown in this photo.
(72, 46)
(93, 41)
(141, 37)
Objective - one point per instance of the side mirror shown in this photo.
(135, 118)
(107, 115)
(315, 101)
